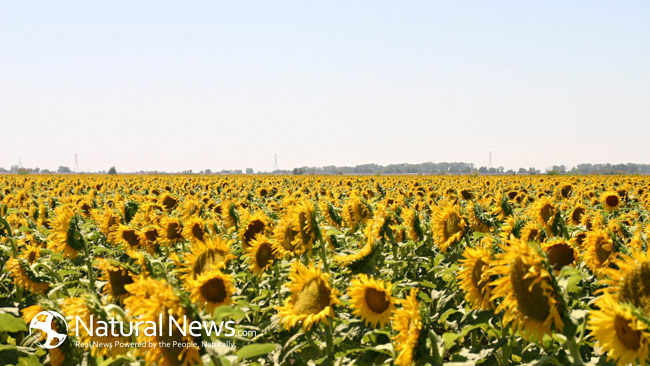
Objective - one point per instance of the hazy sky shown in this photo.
(173, 85)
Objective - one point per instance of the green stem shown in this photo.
(323, 255)
(89, 264)
(278, 283)
(329, 340)
(395, 256)
(574, 350)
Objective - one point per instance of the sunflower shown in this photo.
(371, 300)
(619, 332)
(355, 212)
(628, 279)
(598, 247)
(448, 227)
(575, 217)
(31, 252)
(25, 277)
(107, 220)
(257, 224)
(412, 222)
(560, 253)
(211, 289)
(610, 200)
(125, 235)
(474, 278)
(303, 219)
(213, 253)
(358, 258)
(168, 202)
(149, 298)
(543, 210)
(194, 229)
(285, 239)
(116, 277)
(407, 322)
(64, 236)
(229, 214)
(83, 308)
(312, 298)
(261, 254)
(170, 231)
(478, 216)
(530, 232)
(527, 296)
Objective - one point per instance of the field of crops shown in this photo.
(330, 270)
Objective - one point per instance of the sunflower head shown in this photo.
(312, 298)
(257, 224)
(261, 254)
(211, 290)
(213, 253)
(371, 300)
(474, 277)
(194, 229)
(619, 332)
(448, 227)
(598, 250)
(527, 296)
(560, 253)
(408, 324)
(610, 200)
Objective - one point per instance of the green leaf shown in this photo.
(450, 339)
(11, 324)
(225, 311)
(255, 350)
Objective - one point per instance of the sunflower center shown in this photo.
(197, 231)
(601, 252)
(546, 212)
(255, 227)
(630, 338)
(531, 299)
(636, 287)
(477, 274)
(264, 255)
(611, 200)
(173, 231)
(130, 237)
(31, 257)
(313, 297)
(118, 280)
(213, 290)
(169, 203)
(376, 300)
(451, 225)
(206, 259)
(467, 195)
(151, 235)
(566, 191)
(576, 215)
(560, 255)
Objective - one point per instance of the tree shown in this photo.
(64, 170)
(250, 171)
(112, 170)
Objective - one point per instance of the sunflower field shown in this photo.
(330, 270)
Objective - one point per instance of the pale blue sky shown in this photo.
(173, 85)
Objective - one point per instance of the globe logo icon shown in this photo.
(43, 322)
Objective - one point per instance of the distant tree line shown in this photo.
(423, 168)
